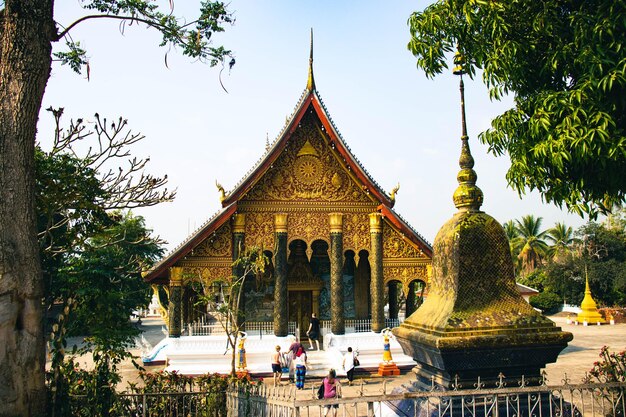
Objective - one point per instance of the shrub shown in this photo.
(548, 302)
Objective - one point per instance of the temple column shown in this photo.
(337, 323)
(174, 307)
(239, 234)
(410, 300)
(392, 295)
(376, 280)
(281, 294)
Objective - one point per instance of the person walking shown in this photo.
(300, 363)
(348, 364)
(314, 331)
(332, 389)
(291, 354)
(277, 367)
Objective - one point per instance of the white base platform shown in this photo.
(197, 355)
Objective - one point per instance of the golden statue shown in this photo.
(394, 191)
(221, 190)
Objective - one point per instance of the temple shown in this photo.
(336, 246)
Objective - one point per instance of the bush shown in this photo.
(547, 302)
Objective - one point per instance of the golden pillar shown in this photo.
(281, 294)
(239, 234)
(175, 302)
(337, 323)
(376, 279)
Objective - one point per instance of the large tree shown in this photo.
(27, 32)
(564, 62)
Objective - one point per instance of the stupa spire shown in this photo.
(467, 196)
(310, 83)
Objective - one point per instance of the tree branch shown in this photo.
(107, 16)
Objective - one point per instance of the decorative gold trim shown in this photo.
(280, 222)
(239, 223)
(406, 261)
(288, 206)
(176, 276)
(376, 223)
(336, 222)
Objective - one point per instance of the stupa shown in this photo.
(474, 322)
(589, 313)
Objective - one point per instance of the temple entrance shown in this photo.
(300, 309)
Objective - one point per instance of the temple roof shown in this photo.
(158, 273)
(309, 98)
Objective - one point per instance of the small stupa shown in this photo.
(474, 322)
(589, 313)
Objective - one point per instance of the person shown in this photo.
(332, 389)
(314, 331)
(300, 363)
(277, 368)
(291, 353)
(348, 364)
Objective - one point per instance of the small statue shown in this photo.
(387, 345)
(241, 352)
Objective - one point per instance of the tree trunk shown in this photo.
(26, 31)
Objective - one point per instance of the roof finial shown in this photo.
(467, 197)
(310, 83)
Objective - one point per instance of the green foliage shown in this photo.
(565, 64)
(548, 302)
(603, 252)
(596, 251)
(194, 37)
(79, 392)
(529, 242)
(562, 239)
(106, 279)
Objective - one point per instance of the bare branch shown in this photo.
(108, 16)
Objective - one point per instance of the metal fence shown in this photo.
(359, 326)
(588, 400)
(569, 400)
(252, 328)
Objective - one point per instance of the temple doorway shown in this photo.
(303, 285)
(300, 309)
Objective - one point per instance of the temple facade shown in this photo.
(334, 243)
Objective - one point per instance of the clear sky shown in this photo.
(402, 126)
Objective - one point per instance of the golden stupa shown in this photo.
(589, 313)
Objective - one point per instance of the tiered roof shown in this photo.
(309, 98)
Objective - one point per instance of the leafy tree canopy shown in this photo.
(193, 37)
(565, 64)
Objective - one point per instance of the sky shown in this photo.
(403, 127)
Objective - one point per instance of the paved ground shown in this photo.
(574, 361)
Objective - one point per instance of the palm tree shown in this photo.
(513, 235)
(562, 238)
(531, 241)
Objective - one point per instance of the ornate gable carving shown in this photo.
(216, 245)
(396, 246)
(307, 171)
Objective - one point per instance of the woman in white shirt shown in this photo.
(348, 364)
